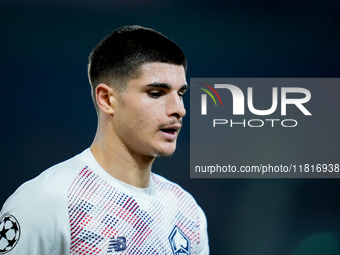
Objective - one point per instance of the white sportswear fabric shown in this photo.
(77, 207)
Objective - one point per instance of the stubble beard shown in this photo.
(164, 125)
(163, 154)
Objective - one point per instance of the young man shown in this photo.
(106, 200)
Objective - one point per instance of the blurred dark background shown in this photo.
(47, 114)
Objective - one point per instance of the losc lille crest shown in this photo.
(180, 243)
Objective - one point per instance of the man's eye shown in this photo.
(155, 94)
(181, 95)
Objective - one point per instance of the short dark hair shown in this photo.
(119, 56)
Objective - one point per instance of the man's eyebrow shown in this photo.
(166, 86)
(185, 87)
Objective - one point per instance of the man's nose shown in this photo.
(175, 106)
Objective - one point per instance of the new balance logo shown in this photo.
(117, 244)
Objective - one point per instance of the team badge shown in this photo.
(180, 243)
(9, 233)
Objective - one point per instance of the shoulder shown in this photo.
(174, 194)
(45, 192)
(40, 208)
(53, 180)
(163, 184)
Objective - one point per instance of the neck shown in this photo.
(119, 162)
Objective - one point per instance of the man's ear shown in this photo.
(105, 97)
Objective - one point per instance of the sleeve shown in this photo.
(32, 221)
(204, 243)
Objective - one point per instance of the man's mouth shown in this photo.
(171, 131)
(172, 128)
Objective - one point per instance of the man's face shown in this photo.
(148, 114)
